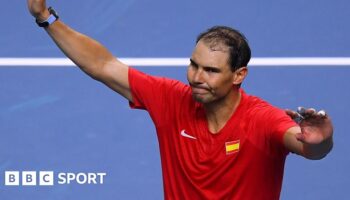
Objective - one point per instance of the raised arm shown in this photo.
(89, 55)
(314, 138)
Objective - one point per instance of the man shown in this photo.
(216, 142)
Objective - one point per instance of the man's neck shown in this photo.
(218, 113)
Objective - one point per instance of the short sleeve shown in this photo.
(279, 122)
(157, 95)
(273, 124)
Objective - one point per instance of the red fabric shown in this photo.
(200, 168)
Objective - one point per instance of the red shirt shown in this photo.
(244, 160)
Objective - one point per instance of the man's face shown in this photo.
(209, 73)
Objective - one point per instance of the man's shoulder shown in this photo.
(157, 81)
(256, 102)
(256, 105)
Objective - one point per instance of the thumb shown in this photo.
(300, 137)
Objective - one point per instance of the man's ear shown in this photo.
(240, 75)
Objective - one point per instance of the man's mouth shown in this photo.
(199, 90)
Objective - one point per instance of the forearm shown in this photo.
(85, 52)
(93, 58)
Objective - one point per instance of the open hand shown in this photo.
(316, 127)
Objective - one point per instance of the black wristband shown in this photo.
(52, 18)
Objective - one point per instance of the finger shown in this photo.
(301, 110)
(297, 117)
(294, 115)
(310, 111)
(300, 137)
(322, 113)
(291, 113)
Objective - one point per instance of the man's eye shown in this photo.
(211, 70)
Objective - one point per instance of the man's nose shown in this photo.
(198, 76)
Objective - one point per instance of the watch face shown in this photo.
(52, 18)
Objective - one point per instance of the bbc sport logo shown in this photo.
(47, 178)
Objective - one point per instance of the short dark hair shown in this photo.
(239, 50)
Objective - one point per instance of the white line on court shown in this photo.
(156, 62)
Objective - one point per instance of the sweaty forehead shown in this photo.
(207, 55)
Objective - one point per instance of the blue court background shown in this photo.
(59, 119)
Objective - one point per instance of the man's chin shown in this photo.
(199, 98)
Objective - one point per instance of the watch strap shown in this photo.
(51, 19)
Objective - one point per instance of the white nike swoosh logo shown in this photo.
(183, 133)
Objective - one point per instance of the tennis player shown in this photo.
(216, 141)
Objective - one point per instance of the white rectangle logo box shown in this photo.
(11, 177)
(46, 178)
(29, 178)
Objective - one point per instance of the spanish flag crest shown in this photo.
(232, 147)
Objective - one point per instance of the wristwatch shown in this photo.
(52, 18)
